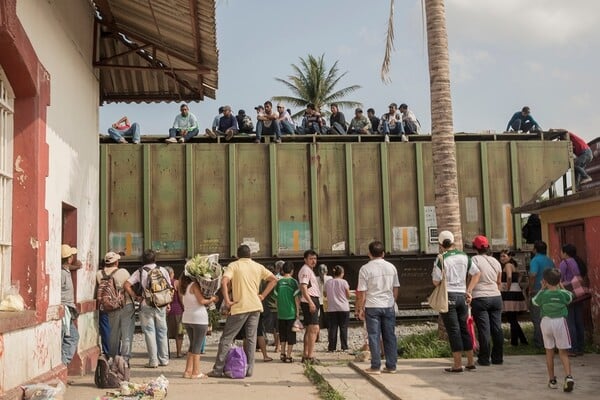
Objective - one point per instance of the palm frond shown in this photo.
(389, 47)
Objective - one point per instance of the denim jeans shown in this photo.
(122, 325)
(396, 130)
(337, 129)
(581, 162)
(275, 129)
(309, 129)
(287, 128)
(487, 312)
(133, 131)
(536, 318)
(381, 323)
(338, 320)
(104, 330)
(69, 343)
(233, 325)
(576, 327)
(154, 326)
(455, 321)
(177, 132)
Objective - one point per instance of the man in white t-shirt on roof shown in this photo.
(376, 295)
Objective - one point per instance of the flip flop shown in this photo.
(267, 359)
(199, 376)
(454, 369)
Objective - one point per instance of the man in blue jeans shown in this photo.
(376, 295)
(538, 264)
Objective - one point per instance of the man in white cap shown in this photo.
(288, 127)
(120, 321)
(70, 336)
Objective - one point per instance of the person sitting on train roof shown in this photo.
(122, 129)
(288, 126)
(523, 121)
(374, 120)
(337, 121)
(312, 123)
(583, 156)
(360, 125)
(391, 122)
(268, 122)
(185, 126)
(227, 126)
(410, 123)
(217, 117)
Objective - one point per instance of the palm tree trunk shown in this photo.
(447, 205)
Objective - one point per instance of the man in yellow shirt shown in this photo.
(245, 307)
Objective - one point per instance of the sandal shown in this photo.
(282, 357)
(470, 367)
(288, 360)
(453, 369)
(267, 359)
(199, 376)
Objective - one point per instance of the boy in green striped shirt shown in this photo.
(553, 301)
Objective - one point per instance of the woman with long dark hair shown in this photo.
(513, 300)
(570, 266)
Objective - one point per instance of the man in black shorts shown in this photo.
(309, 303)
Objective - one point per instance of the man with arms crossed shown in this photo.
(376, 294)
(309, 303)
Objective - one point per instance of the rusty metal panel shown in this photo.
(332, 199)
(125, 200)
(468, 163)
(403, 197)
(210, 200)
(368, 213)
(293, 199)
(500, 195)
(253, 197)
(167, 201)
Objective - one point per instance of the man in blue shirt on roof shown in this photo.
(523, 121)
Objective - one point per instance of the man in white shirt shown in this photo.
(185, 126)
(376, 295)
(310, 304)
(410, 123)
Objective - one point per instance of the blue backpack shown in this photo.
(235, 363)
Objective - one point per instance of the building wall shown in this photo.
(56, 164)
(589, 213)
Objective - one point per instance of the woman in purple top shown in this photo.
(175, 329)
(337, 292)
(570, 266)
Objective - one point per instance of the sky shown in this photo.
(503, 55)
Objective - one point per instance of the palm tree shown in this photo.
(445, 175)
(312, 82)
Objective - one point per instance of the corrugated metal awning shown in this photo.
(156, 50)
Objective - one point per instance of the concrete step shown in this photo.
(349, 383)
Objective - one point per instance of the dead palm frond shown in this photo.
(389, 47)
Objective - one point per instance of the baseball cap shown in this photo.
(280, 104)
(259, 107)
(480, 242)
(445, 235)
(359, 110)
(111, 257)
(67, 251)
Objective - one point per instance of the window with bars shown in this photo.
(6, 178)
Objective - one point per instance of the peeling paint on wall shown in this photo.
(20, 175)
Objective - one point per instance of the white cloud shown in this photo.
(549, 22)
(467, 66)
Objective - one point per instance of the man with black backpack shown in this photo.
(154, 293)
(117, 304)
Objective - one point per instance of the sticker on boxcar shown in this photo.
(339, 246)
(472, 209)
(405, 238)
(253, 244)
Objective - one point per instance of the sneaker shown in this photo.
(229, 134)
(585, 180)
(404, 138)
(181, 140)
(171, 140)
(210, 133)
(569, 383)
(164, 364)
(277, 140)
(123, 140)
(256, 140)
(148, 365)
(387, 370)
(552, 384)
(214, 374)
(373, 371)
(136, 142)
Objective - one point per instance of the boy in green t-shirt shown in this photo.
(553, 301)
(288, 305)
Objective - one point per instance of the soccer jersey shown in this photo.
(286, 292)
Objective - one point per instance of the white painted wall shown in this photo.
(61, 32)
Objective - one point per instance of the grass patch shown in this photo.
(326, 392)
(428, 345)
